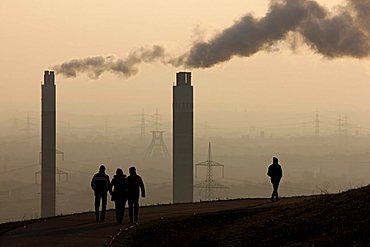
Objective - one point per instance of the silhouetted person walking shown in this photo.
(134, 185)
(275, 173)
(119, 194)
(100, 185)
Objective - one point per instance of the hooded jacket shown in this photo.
(275, 173)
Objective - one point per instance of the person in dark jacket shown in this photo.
(275, 173)
(119, 194)
(100, 185)
(134, 185)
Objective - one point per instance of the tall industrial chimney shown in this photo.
(48, 145)
(183, 138)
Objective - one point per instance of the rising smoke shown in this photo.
(95, 66)
(343, 33)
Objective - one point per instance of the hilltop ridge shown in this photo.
(320, 220)
(325, 220)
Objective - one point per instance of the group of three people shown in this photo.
(128, 189)
(122, 189)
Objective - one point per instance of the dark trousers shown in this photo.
(275, 186)
(103, 198)
(120, 209)
(133, 208)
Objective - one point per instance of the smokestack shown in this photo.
(183, 138)
(48, 145)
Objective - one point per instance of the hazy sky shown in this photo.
(37, 34)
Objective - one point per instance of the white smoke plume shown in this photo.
(344, 32)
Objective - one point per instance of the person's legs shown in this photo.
(123, 207)
(97, 205)
(276, 187)
(131, 209)
(116, 210)
(119, 210)
(136, 208)
(103, 207)
(273, 192)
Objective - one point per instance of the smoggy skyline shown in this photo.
(39, 35)
(261, 71)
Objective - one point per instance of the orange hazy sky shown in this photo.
(37, 34)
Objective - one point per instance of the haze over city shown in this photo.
(250, 104)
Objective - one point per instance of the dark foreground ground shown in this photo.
(81, 230)
(325, 220)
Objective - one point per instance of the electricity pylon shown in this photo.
(210, 185)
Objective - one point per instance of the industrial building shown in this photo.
(183, 137)
(48, 145)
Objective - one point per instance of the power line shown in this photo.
(210, 185)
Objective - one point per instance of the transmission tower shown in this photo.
(59, 172)
(29, 125)
(156, 119)
(209, 185)
(142, 124)
(142, 129)
(157, 147)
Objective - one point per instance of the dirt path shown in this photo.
(81, 229)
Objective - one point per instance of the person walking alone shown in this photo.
(135, 185)
(275, 173)
(119, 194)
(100, 184)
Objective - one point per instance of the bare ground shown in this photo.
(82, 230)
(325, 220)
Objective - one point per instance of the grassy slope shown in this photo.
(327, 220)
